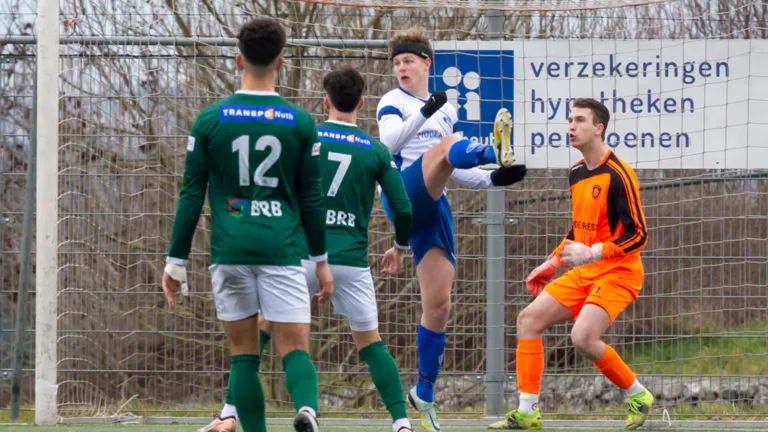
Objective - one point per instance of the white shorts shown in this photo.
(353, 295)
(278, 293)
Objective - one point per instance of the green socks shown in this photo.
(301, 380)
(244, 389)
(247, 394)
(386, 378)
(263, 341)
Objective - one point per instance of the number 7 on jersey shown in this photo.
(344, 160)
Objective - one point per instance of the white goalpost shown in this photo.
(47, 220)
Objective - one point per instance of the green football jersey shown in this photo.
(352, 162)
(258, 155)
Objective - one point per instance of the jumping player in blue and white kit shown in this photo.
(418, 128)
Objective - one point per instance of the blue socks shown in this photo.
(467, 154)
(431, 346)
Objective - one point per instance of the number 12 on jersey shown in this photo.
(240, 146)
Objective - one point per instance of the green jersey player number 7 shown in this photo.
(258, 157)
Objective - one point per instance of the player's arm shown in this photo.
(395, 132)
(568, 238)
(624, 196)
(472, 177)
(309, 188)
(541, 275)
(393, 188)
(483, 179)
(188, 211)
(192, 196)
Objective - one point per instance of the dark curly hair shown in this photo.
(261, 41)
(344, 87)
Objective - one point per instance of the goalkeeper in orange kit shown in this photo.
(602, 252)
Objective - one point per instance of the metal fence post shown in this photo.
(494, 375)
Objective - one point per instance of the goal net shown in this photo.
(686, 87)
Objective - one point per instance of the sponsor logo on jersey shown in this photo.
(584, 226)
(393, 164)
(191, 143)
(257, 114)
(316, 149)
(430, 133)
(237, 207)
(341, 137)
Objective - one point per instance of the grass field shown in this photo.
(740, 351)
(286, 428)
(276, 428)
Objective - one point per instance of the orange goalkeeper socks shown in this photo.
(530, 365)
(611, 365)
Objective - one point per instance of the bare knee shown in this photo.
(583, 340)
(435, 275)
(288, 337)
(436, 312)
(365, 338)
(444, 146)
(530, 325)
(243, 336)
(436, 167)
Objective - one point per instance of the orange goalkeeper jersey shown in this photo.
(607, 210)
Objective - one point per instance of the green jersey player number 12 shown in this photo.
(272, 145)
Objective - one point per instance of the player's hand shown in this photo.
(507, 176)
(324, 281)
(541, 275)
(174, 280)
(434, 103)
(577, 254)
(392, 262)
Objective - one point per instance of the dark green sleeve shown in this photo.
(192, 194)
(309, 188)
(392, 186)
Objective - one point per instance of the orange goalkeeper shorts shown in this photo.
(612, 292)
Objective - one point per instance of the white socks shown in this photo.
(401, 423)
(528, 403)
(309, 410)
(635, 389)
(228, 411)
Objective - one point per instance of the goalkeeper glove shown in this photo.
(541, 275)
(577, 254)
(434, 103)
(506, 176)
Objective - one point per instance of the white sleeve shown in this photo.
(454, 116)
(473, 177)
(393, 131)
